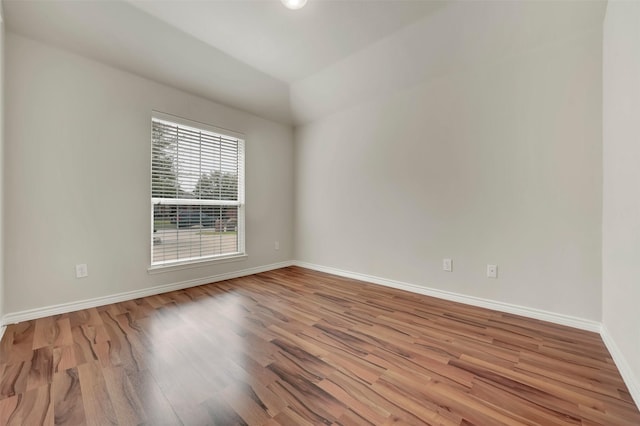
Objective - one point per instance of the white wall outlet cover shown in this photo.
(82, 270)
(492, 271)
(447, 265)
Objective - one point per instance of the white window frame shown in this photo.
(240, 254)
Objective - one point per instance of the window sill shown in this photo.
(177, 266)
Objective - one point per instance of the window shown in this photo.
(197, 191)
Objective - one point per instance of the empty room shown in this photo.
(319, 212)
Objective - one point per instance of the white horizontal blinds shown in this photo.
(164, 182)
(197, 193)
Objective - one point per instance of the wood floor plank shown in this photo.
(95, 396)
(244, 401)
(7, 408)
(41, 368)
(300, 347)
(120, 350)
(537, 413)
(45, 332)
(86, 340)
(14, 379)
(34, 407)
(219, 413)
(64, 357)
(18, 342)
(358, 409)
(124, 398)
(67, 398)
(88, 317)
(157, 409)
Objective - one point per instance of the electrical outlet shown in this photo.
(447, 265)
(276, 245)
(492, 271)
(81, 270)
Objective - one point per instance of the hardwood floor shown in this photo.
(298, 347)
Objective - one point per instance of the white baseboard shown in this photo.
(30, 314)
(524, 311)
(630, 379)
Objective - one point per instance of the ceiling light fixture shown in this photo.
(294, 4)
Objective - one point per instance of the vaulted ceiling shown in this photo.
(288, 45)
(240, 53)
(293, 66)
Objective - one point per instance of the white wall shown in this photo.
(78, 176)
(621, 195)
(497, 161)
(2, 171)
